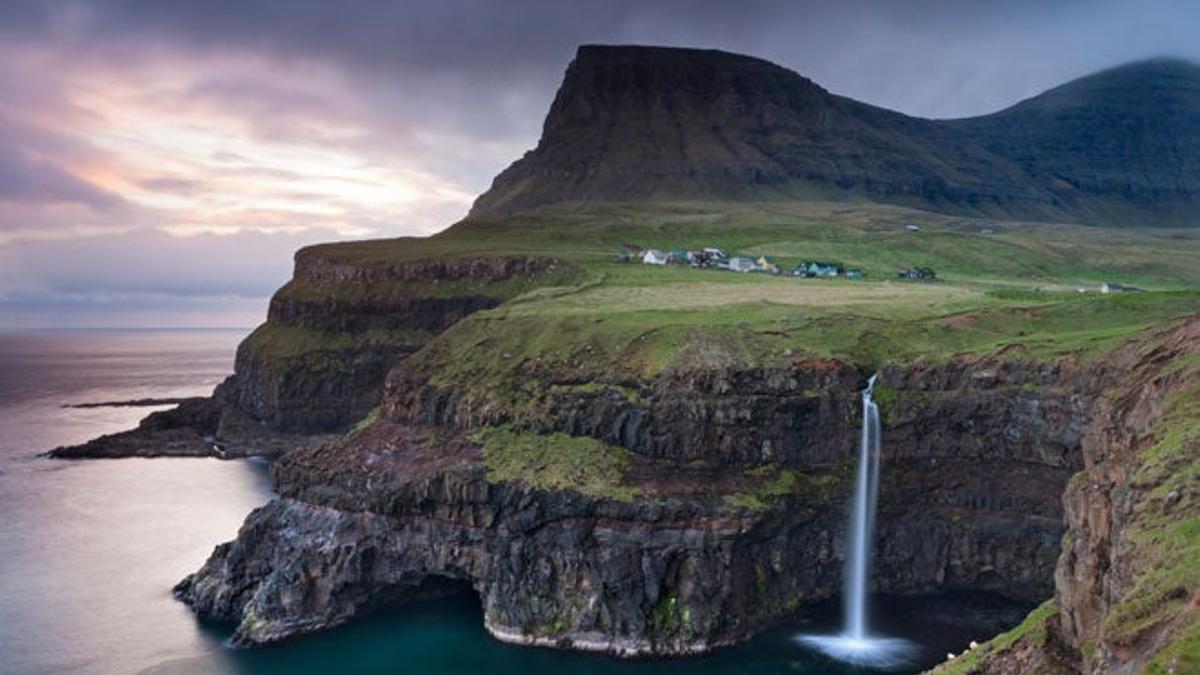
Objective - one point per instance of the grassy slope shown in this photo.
(1031, 631)
(1016, 286)
(1165, 533)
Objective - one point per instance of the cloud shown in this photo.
(29, 178)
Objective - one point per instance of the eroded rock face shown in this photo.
(309, 370)
(802, 414)
(678, 568)
(1116, 606)
(1101, 560)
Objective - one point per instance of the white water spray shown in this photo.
(862, 520)
(854, 644)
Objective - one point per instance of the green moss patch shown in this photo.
(555, 462)
(770, 483)
(277, 343)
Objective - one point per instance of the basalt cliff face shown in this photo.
(1126, 594)
(693, 544)
(652, 123)
(335, 329)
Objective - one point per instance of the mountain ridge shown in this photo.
(633, 123)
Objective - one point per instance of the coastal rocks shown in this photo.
(334, 331)
(550, 568)
(314, 390)
(197, 427)
(688, 562)
(187, 430)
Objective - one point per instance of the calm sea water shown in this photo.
(89, 550)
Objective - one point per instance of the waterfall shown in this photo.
(862, 519)
(856, 644)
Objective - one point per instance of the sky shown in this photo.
(160, 161)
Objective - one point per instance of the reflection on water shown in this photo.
(447, 636)
(90, 550)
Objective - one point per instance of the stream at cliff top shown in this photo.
(90, 549)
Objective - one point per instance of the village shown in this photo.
(717, 259)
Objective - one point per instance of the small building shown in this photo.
(767, 264)
(679, 257)
(821, 268)
(654, 256)
(714, 253)
(918, 274)
(987, 230)
(629, 252)
(912, 228)
(854, 273)
(1109, 287)
(743, 265)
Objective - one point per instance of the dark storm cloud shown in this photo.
(524, 44)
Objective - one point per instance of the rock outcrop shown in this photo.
(1127, 586)
(332, 333)
(654, 123)
(701, 546)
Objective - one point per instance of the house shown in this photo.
(854, 273)
(1107, 288)
(654, 256)
(766, 264)
(912, 228)
(820, 268)
(743, 265)
(919, 274)
(679, 257)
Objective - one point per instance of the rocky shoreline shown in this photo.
(196, 427)
(690, 552)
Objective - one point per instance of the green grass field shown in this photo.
(872, 237)
(1013, 289)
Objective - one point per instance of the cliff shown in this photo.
(680, 507)
(657, 547)
(639, 124)
(1127, 586)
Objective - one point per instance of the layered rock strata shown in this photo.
(707, 541)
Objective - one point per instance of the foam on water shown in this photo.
(882, 653)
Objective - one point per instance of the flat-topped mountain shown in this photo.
(651, 123)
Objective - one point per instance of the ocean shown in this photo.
(89, 550)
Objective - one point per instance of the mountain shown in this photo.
(652, 123)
